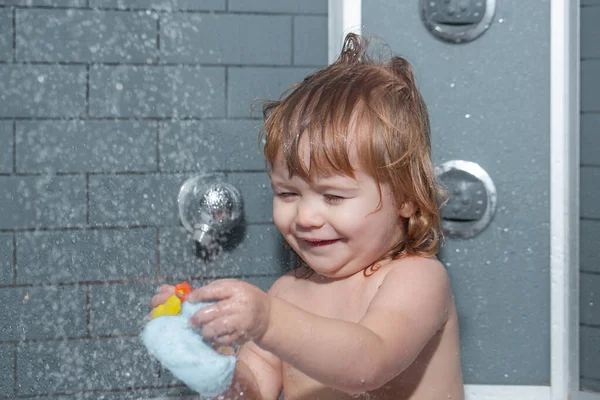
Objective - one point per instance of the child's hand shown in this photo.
(241, 312)
(163, 294)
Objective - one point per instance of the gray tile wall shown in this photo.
(590, 196)
(106, 107)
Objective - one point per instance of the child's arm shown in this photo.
(257, 375)
(410, 307)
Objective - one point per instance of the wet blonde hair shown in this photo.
(375, 104)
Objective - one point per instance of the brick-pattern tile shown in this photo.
(590, 31)
(6, 34)
(258, 251)
(86, 146)
(106, 108)
(79, 365)
(86, 255)
(589, 234)
(590, 85)
(85, 36)
(590, 192)
(7, 362)
(589, 352)
(589, 243)
(119, 308)
(247, 86)
(124, 200)
(226, 39)
(210, 146)
(42, 90)
(165, 5)
(589, 299)
(49, 312)
(257, 193)
(6, 150)
(46, 201)
(6, 258)
(590, 385)
(590, 139)
(157, 91)
(282, 6)
(46, 3)
(309, 46)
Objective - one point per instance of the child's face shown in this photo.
(333, 223)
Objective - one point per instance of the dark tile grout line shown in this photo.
(158, 169)
(292, 27)
(158, 36)
(165, 11)
(166, 119)
(14, 257)
(586, 272)
(60, 395)
(15, 375)
(159, 64)
(226, 92)
(14, 149)
(103, 228)
(78, 283)
(87, 91)
(157, 277)
(88, 310)
(14, 38)
(150, 280)
(87, 199)
(127, 173)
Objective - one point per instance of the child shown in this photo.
(370, 310)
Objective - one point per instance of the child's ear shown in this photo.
(407, 209)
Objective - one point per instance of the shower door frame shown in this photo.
(345, 16)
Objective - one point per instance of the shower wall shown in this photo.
(590, 196)
(489, 102)
(106, 107)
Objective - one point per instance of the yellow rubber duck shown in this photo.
(173, 304)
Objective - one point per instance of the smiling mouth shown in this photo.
(321, 243)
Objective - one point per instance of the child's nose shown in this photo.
(307, 215)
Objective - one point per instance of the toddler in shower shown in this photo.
(369, 311)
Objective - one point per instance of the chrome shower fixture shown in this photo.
(209, 208)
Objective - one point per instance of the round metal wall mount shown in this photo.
(457, 21)
(472, 202)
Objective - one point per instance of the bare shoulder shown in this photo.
(416, 270)
(414, 283)
(282, 283)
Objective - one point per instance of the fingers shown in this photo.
(207, 314)
(228, 340)
(217, 290)
(223, 331)
(164, 292)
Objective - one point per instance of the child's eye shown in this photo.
(285, 195)
(330, 198)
